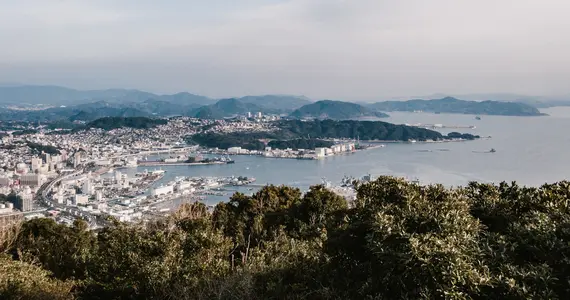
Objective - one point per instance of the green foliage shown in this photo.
(109, 123)
(365, 130)
(39, 148)
(20, 280)
(465, 136)
(397, 240)
(24, 132)
(248, 141)
(63, 250)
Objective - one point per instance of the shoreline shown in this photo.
(152, 164)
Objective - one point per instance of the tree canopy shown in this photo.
(397, 240)
(109, 123)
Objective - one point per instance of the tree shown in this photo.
(251, 220)
(65, 251)
(20, 280)
(397, 240)
(319, 209)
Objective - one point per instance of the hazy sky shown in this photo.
(339, 49)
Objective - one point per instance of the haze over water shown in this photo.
(530, 150)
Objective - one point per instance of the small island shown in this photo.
(456, 106)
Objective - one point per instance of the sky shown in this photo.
(323, 49)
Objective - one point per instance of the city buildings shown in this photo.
(163, 190)
(81, 199)
(88, 187)
(24, 202)
(32, 180)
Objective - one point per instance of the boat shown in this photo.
(477, 118)
(492, 150)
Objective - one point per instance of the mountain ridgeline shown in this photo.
(228, 108)
(52, 103)
(56, 96)
(456, 106)
(336, 110)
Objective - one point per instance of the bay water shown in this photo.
(529, 150)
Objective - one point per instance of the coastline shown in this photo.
(158, 163)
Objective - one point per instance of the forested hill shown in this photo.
(397, 240)
(364, 130)
(109, 123)
(338, 110)
(322, 129)
(453, 105)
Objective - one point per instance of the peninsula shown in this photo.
(318, 133)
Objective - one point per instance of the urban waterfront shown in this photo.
(530, 150)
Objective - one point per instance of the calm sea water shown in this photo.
(530, 150)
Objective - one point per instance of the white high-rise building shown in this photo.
(36, 163)
(25, 202)
(88, 187)
(47, 158)
(76, 159)
(118, 176)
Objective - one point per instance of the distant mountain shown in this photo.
(282, 103)
(336, 110)
(25, 94)
(453, 105)
(83, 112)
(227, 108)
(55, 95)
(536, 101)
(185, 98)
